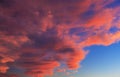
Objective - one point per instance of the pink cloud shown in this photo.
(40, 36)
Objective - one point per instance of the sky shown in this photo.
(59, 38)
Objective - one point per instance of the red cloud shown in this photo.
(41, 36)
(3, 68)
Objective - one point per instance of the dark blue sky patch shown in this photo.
(116, 3)
(82, 34)
(113, 30)
(76, 30)
(88, 14)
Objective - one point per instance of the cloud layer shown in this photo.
(39, 36)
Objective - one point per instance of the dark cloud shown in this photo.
(45, 40)
(6, 3)
(7, 75)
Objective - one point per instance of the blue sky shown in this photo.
(102, 61)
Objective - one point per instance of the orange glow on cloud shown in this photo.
(3, 69)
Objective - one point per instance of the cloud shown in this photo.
(41, 36)
(7, 75)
